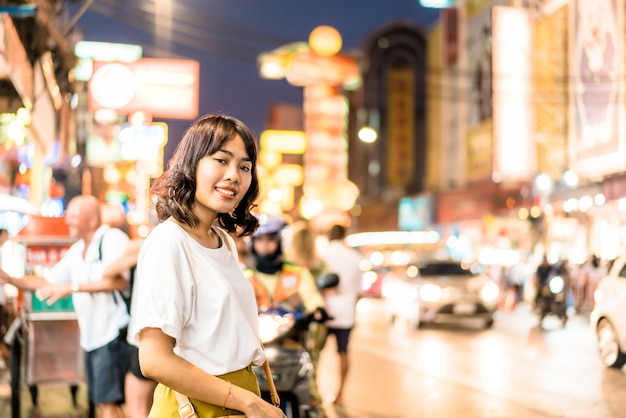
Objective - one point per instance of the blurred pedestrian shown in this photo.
(595, 271)
(302, 250)
(542, 274)
(565, 270)
(588, 276)
(194, 313)
(100, 309)
(341, 302)
(579, 286)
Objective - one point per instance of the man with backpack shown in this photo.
(98, 303)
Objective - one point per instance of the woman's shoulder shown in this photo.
(166, 234)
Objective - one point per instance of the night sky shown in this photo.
(226, 37)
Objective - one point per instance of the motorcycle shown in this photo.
(552, 299)
(291, 365)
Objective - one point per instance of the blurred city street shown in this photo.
(483, 134)
(513, 370)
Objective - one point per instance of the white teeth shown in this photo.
(225, 191)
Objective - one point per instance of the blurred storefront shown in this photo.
(35, 113)
(524, 110)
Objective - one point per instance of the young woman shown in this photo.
(194, 312)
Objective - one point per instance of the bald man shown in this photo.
(100, 309)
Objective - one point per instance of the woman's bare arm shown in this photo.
(158, 362)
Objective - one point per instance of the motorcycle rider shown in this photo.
(280, 284)
(277, 283)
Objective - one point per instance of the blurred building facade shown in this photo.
(516, 113)
(36, 86)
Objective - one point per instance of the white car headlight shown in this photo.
(556, 285)
(490, 292)
(398, 292)
(430, 292)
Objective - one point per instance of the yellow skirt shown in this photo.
(165, 405)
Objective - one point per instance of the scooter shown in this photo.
(553, 300)
(282, 332)
(292, 369)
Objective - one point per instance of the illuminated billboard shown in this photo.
(597, 66)
(167, 88)
(513, 124)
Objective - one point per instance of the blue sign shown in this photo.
(415, 213)
(437, 4)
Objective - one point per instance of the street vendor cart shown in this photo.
(44, 340)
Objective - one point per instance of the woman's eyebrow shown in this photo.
(230, 154)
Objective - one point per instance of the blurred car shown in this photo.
(371, 281)
(439, 291)
(608, 318)
(383, 250)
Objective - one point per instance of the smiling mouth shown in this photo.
(225, 191)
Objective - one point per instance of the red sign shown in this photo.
(44, 255)
(166, 88)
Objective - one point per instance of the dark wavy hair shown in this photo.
(175, 189)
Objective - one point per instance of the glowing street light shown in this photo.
(368, 134)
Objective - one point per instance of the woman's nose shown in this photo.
(233, 173)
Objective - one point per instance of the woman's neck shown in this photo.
(204, 234)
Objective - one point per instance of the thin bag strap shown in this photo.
(185, 407)
(270, 381)
(223, 238)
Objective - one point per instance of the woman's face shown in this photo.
(223, 178)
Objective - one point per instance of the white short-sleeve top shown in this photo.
(100, 315)
(200, 297)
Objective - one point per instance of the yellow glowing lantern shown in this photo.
(287, 142)
(325, 40)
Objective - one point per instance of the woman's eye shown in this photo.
(245, 168)
(220, 160)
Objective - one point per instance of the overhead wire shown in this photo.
(142, 22)
(194, 29)
(192, 16)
